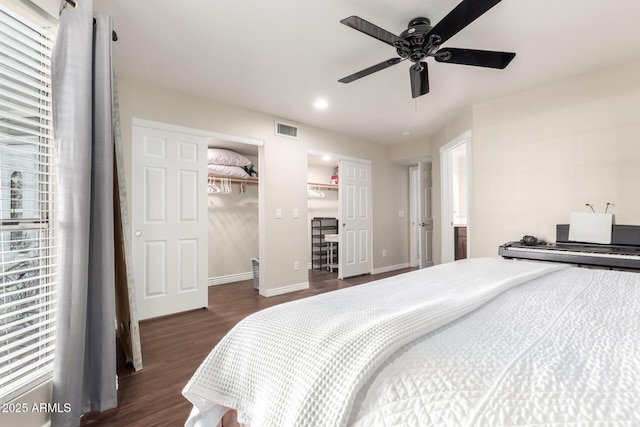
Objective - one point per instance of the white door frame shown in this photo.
(446, 174)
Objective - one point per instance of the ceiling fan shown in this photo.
(421, 40)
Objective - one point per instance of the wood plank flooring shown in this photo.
(174, 346)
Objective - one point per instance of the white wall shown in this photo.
(541, 154)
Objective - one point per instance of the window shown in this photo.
(28, 242)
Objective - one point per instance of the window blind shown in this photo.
(28, 238)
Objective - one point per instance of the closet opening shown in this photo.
(233, 210)
(323, 216)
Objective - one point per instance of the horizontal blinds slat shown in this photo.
(36, 85)
(17, 58)
(42, 360)
(44, 338)
(11, 98)
(21, 140)
(16, 48)
(6, 287)
(42, 164)
(16, 312)
(44, 248)
(13, 339)
(43, 296)
(47, 261)
(24, 30)
(26, 354)
(37, 334)
(24, 130)
(21, 121)
(21, 385)
(41, 96)
(7, 104)
(41, 289)
(34, 357)
(52, 241)
(32, 83)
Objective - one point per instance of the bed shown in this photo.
(478, 342)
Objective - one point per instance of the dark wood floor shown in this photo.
(174, 346)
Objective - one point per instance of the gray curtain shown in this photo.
(84, 374)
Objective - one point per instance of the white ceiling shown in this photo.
(277, 57)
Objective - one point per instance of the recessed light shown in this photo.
(326, 157)
(321, 104)
(406, 133)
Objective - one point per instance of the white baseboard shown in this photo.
(390, 268)
(221, 280)
(285, 289)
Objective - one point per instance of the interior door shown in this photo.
(425, 213)
(169, 221)
(355, 217)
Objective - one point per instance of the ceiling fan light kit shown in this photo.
(420, 41)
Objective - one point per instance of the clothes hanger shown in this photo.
(212, 188)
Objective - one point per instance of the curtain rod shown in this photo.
(73, 4)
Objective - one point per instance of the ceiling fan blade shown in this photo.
(370, 29)
(419, 75)
(461, 16)
(478, 58)
(363, 73)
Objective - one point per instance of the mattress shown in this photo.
(560, 348)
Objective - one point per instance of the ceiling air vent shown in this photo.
(284, 129)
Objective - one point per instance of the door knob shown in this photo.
(138, 233)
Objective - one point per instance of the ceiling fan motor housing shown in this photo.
(414, 43)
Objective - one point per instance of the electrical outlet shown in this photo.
(296, 266)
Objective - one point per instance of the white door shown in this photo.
(425, 234)
(169, 221)
(355, 218)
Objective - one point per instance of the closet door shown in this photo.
(355, 250)
(169, 221)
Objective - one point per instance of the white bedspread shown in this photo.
(561, 350)
(302, 363)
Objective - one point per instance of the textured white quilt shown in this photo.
(302, 363)
(562, 350)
